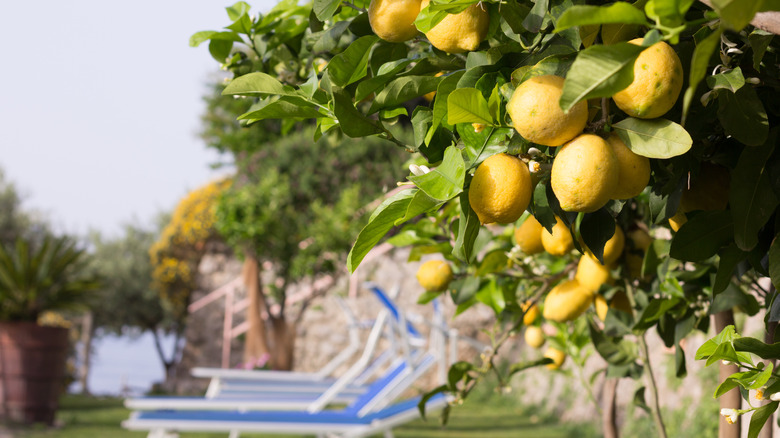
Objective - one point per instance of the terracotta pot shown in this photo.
(32, 369)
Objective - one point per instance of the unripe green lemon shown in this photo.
(537, 116)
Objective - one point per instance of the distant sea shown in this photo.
(125, 365)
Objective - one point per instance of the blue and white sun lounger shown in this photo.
(344, 423)
(247, 390)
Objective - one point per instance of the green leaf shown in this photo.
(257, 84)
(351, 65)
(736, 14)
(434, 12)
(446, 86)
(387, 73)
(494, 261)
(582, 15)
(759, 42)
(599, 71)
(760, 349)
(760, 417)
(445, 181)
(557, 65)
(421, 203)
(596, 229)
(751, 196)
(199, 37)
(481, 145)
(402, 90)
(699, 63)
(381, 221)
(702, 236)
(534, 20)
(467, 105)
(729, 259)
(732, 80)
(284, 107)
(237, 10)
(351, 121)
(743, 116)
(220, 49)
(324, 9)
(468, 230)
(492, 295)
(654, 138)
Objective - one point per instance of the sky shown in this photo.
(100, 106)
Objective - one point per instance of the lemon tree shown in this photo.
(658, 92)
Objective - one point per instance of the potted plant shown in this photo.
(36, 275)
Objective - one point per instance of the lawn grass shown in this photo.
(491, 416)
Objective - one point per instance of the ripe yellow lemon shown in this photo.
(591, 274)
(559, 242)
(658, 79)
(613, 249)
(529, 236)
(537, 116)
(531, 312)
(461, 32)
(534, 336)
(678, 220)
(557, 356)
(633, 170)
(584, 174)
(567, 301)
(434, 275)
(500, 190)
(393, 20)
(601, 307)
(640, 239)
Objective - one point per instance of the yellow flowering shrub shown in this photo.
(177, 252)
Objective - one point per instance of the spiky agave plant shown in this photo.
(41, 276)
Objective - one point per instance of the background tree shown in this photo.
(128, 305)
(15, 221)
(712, 240)
(294, 203)
(174, 258)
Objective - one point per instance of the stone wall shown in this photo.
(322, 333)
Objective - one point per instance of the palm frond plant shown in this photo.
(37, 277)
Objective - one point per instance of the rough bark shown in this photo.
(256, 343)
(609, 410)
(283, 344)
(87, 334)
(731, 399)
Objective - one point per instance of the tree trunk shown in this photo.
(87, 332)
(284, 343)
(609, 410)
(769, 338)
(256, 343)
(731, 399)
